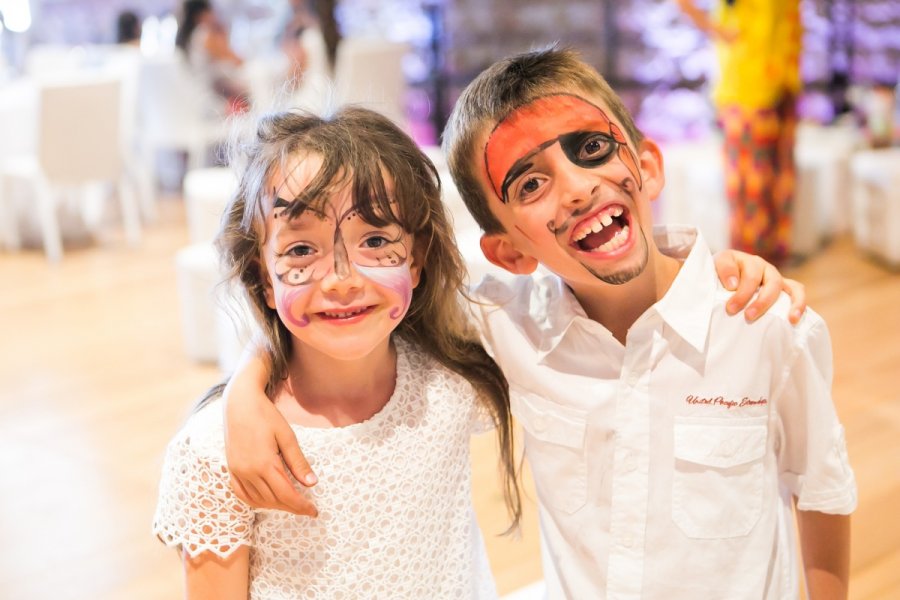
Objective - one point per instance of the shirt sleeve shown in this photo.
(196, 509)
(812, 452)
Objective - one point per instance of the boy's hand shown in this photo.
(746, 275)
(258, 445)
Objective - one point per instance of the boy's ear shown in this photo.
(500, 251)
(652, 168)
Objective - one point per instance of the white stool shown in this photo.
(206, 193)
(876, 203)
(197, 268)
(823, 195)
(694, 193)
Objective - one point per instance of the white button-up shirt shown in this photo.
(665, 467)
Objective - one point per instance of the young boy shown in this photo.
(665, 438)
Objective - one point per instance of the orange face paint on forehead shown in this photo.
(538, 125)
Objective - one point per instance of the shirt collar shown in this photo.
(688, 304)
(686, 307)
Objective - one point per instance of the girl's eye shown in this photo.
(300, 250)
(375, 241)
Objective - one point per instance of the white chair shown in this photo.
(124, 62)
(18, 122)
(78, 148)
(369, 71)
(175, 112)
(42, 60)
(876, 203)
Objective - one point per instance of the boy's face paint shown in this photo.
(340, 284)
(584, 132)
(560, 167)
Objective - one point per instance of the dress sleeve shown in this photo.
(196, 509)
(812, 452)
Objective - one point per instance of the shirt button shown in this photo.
(633, 378)
(629, 464)
(628, 541)
(540, 424)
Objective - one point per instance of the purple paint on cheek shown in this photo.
(286, 302)
(398, 279)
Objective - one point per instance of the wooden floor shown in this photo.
(94, 380)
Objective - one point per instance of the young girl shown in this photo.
(338, 236)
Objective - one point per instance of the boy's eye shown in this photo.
(529, 188)
(595, 147)
(588, 149)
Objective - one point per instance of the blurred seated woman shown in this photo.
(204, 40)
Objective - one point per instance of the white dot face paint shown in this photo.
(339, 284)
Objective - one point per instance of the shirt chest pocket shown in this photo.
(718, 484)
(554, 444)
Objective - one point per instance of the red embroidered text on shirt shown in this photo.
(722, 401)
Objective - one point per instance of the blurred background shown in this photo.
(113, 116)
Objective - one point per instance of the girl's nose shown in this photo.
(343, 277)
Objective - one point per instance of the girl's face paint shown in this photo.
(341, 285)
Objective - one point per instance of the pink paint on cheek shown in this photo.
(398, 279)
(286, 304)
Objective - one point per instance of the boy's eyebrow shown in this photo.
(520, 166)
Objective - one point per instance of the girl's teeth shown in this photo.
(606, 219)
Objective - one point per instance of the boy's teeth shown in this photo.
(617, 241)
(598, 223)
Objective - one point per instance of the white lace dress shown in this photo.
(394, 498)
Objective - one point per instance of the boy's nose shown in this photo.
(577, 186)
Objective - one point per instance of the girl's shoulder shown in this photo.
(421, 372)
(203, 432)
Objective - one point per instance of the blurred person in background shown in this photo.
(204, 40)
(758, 47)
(296, 21)
(128, 28)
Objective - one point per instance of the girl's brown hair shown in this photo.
(359, 147)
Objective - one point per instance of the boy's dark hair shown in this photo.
(499, 90)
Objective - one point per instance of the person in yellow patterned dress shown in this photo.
(758, 46)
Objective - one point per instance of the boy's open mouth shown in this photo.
(603, 232)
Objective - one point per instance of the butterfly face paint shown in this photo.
(573, 122)
(330, 270)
